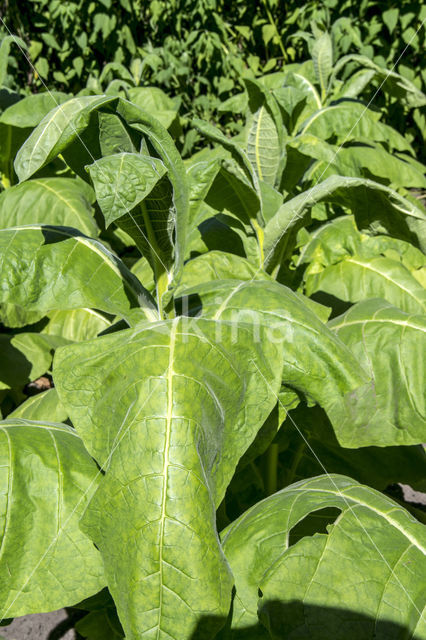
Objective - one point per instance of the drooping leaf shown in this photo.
(55, 132)
(51, 268)
(377, 210)
(315, 363)
(171, 428)
(355, 278)
(56, 201)
(390, 344)
(46, 480)
(369, 564)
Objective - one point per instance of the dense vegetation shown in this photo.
(212, 327)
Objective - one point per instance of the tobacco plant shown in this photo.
(211, 460)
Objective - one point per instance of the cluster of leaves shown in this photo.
(233, 348)
(198, 49)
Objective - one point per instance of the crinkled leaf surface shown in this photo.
(57, 201)
(62, 126)
(122, 181)
(46, 480)
(47, 268)
(370, 564)
(390, 344)
(169, 429)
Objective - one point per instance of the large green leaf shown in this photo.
(349, 120)
(366, 160)
(48, 268)
(377, 210)
(56, 201)
(370, 565)
(169, 430)
(340, 238)
(315, 362)
(355, 278)
(46, 480)
(392, 345)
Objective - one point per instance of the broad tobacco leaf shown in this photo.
(47, 268)
(56, 201)
(46, 480)
(169, 430)
(303, 587)
(391, 344)
(315, 362)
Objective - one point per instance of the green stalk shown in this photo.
(260, 240)
(160, 272)
(272, 469)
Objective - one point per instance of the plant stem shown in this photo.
(160, 272)
(271, 469)
(260, 240)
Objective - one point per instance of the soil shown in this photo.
(58, 624)
(44, 626)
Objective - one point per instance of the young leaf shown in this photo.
(370, 563)
(169, 430)
(46, 480)
(122, 181)
(322, 57)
